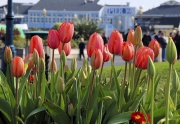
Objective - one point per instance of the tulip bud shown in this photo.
(176, 81)
(127, 51)
(67, 48)
(138, 36)
(151, 68)
(155, 46)
(70, 110)
(171, 52)
(63, 57)
(41, 65)
(53, 39)
(83, 77)
(73, 65)
(96, 59)
(60, 86)
(130, 36)
(17, 66)
(53, 66)
(35, 57)
(106, 53)
(85, 64)
(7, 55)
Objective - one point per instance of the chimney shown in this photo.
(128, 3)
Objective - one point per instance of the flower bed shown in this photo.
(64, 95)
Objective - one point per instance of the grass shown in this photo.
(162, 69)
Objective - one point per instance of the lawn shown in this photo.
(162, 69)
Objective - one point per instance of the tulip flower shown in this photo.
(8, 55)
(36, 43)
(97, 59)
(106, 53)
(138, 36)
(95, 42)
(130, 36)
(67, 48)
(17, 67)
(155, 46)
(53, 39)
(115, 42)
(66, 31)
(142, 57)
(127, 51)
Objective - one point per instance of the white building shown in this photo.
(109, 17)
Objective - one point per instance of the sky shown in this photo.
(145, 4)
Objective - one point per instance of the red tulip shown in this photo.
(142, 57)
(36, 43)
(155, 46)
(67, 48)
(95, 42)
(106, 53)
(127, 51)
(53, 39)
(17, 66)
(66, 31)
(97, 59)
(115, 42)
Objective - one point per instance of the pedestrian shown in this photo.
(146, 38)
(81, 48)
(163, 46)
(126, 35)
(177, 43)
(104, 38)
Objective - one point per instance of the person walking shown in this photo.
(163, 41)
(177, 43)
(146, 39)
(81, 48)
(104, 38)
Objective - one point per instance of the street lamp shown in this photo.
(9, 34)
(44, 14)
(120, 23)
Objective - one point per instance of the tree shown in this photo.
(85, 29)
(56, 25)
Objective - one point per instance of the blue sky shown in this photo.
(146, 4)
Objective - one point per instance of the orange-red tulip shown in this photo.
(66, 31)
(115, 42)
(97, 59)
(17, 66)
(95, 42)
(67, 48)
(127, 51)
(36, 43)
(106, 53)
(130, 36)
(155, 46)
(142, 57)
(53, 39)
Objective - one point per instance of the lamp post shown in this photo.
(44, 14)
(9, 34)
(120, 23)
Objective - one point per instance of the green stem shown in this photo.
(133, 73)
(91, 88)
(129, 72)
(125, 72)
(101, 70)
(152, 100)
(11, 80)
(175, 100)
(16, 109)
(35, 82)
(111, 73)
(168, 95)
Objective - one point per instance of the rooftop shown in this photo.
(67, 5)
(166, 8)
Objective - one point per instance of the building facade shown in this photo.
(46, 13)
(165, 17)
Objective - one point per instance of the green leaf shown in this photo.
(35, 112)
(137, 101)
(20, 120)
(57, 113)
(43, 86)
(120, 118)
(5, 108)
